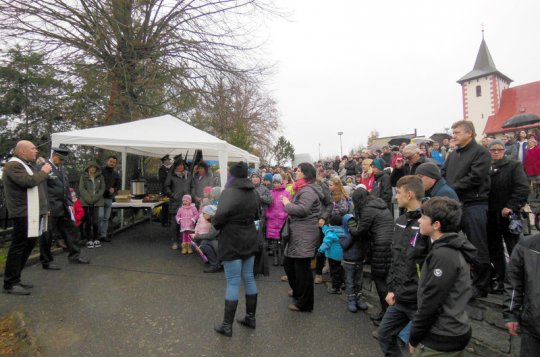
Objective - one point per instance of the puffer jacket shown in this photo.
(409, 250)
(522, 286)
(352, 247)
(441, 322)
(375, 226)
(509, 185)
(466, 170)
(235, 219)
(330, 245)
(275, 213)
(92, 191)
(187, 217)
(304, 212)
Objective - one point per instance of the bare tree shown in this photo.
(159, 49)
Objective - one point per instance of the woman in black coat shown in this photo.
(374, 226)
(235, 216)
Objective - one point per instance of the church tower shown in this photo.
(481, 89)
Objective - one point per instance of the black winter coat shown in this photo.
(509, 185)
(382, 188)
(176, 187)
(375, 226)
(112, 180)
(235, 217)
(522, 286)
(408, 169)
(409, 250)
(58, 192)
(467, 171)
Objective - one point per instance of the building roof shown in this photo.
(524, 99)
(483, 66)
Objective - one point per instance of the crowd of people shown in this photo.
(443, 245)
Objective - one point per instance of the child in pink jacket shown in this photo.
(276, 216)
(186, 217)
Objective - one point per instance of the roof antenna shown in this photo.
(482, 31)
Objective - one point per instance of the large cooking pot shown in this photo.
(138, 187)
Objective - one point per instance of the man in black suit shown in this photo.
(61, 219)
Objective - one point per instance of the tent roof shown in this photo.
(153, 137)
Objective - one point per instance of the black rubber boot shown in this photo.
(225, 328)
(251, 308)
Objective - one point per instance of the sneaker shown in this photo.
(97, 244)
(90, 244)
(174, 246)
(318, 279)
(362, 306)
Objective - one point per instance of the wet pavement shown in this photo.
(140, 298)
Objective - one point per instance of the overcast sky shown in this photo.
(355, 66)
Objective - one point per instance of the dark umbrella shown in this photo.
(521, 120)
(439, 137)
(399, 141)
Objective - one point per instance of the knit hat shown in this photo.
(361, 185)
(209, 210)
(186, 197)
(430, 170)
(257, 173)
(239, 170)
(268, 177)
(277, 178)
(378, 163)
(207, 189)
(495, 142)
(216, 193)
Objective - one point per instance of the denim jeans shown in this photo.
(353, 277)
(396, 317)
(104, 226)
(236, 270)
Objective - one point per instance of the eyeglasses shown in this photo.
(496, 150)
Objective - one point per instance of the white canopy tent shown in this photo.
(156, 137)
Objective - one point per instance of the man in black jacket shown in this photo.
(164, 169)
(61, 214)
(112, 185)
(467, 171)
(441, 324)
(413, 158)
(522, 288)
(409, 249)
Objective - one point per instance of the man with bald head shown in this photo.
(27, 206)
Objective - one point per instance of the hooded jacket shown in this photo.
(409, 250)
(91, 191)
(304, 212)
(374, 226)
(466, 170)
(330, 245)
(234, 218)
(353, 250)
(445, 288)
(275, 213)
(522, 286)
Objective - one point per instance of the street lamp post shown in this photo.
(340, 133)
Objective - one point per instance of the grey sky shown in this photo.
(354, 66)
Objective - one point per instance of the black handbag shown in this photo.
(285, 232)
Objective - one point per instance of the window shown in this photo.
(478, 91)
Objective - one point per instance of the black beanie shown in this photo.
(430, 170)
(239, 170)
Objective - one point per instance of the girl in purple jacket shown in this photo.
(275, 217)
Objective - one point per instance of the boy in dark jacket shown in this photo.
(409, 249)
(522, 289)
(441, 323)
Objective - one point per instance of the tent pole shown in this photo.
(223, 159)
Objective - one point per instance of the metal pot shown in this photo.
(138, 187)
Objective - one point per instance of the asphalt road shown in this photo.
(140, 298)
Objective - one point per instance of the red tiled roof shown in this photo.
(524, 99)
